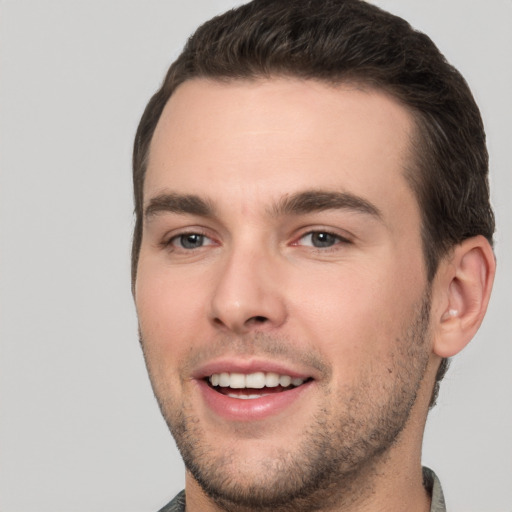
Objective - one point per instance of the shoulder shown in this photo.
(176, 505)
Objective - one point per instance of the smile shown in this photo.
(246, 384)
(252, 390)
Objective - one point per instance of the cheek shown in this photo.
(169, 311)
(355, 316)
(170, 308)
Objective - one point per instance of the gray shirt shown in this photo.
(430, 481)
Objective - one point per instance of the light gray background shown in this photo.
(79, 427)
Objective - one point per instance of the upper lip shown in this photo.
(246, 366)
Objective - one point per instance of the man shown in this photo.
(312, 243)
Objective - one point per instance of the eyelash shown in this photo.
(169, 242)
(334, 240)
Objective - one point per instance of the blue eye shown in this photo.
(320, 239)
(190, 241)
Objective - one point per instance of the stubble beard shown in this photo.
(338, 452)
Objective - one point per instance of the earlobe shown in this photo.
(464, 286)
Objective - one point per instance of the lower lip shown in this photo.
(236, 409)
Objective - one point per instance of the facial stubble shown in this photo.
(335, 453)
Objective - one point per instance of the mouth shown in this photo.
(252, 386)
(247, 390)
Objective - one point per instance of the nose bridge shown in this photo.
(246, 295)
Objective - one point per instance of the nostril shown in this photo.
(258, 319)
(236, 321)
(253, 319)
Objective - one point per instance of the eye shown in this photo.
(190, 241)
(320, 239)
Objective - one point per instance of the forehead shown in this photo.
(264, 138)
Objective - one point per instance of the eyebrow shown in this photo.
(319, 200)
(300, 203)
(178, 203)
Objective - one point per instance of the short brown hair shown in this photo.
(350, 40)
(339, 41)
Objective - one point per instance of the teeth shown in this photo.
(224, 380)
(284, 380)
(237, 381)
(257, 380)
(272, 380)
(245, 397)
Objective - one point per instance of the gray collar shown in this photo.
(432, 484)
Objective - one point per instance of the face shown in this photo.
(281, 287)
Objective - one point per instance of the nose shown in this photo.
(248, 294)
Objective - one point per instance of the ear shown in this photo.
(461, 293)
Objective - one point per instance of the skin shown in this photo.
(353, 315)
